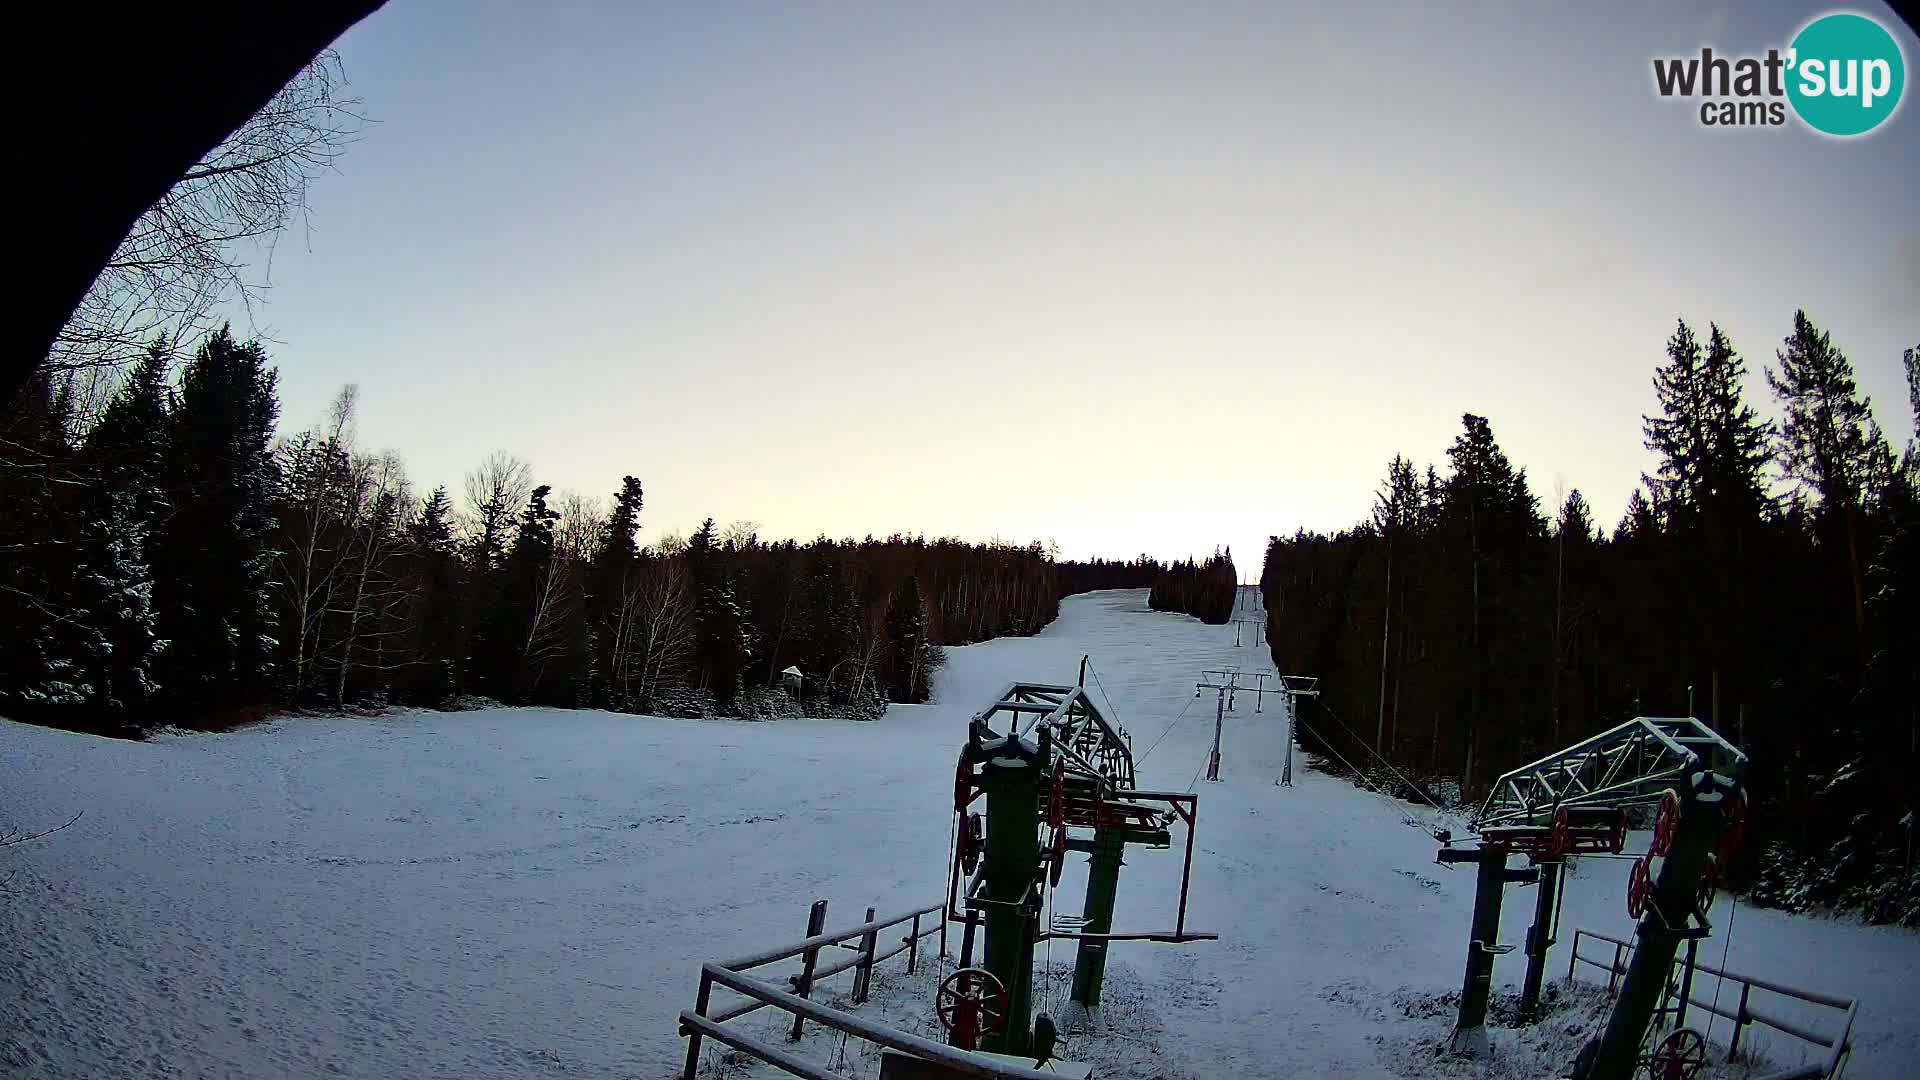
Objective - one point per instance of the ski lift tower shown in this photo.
(1057, 777)
(1575, 801)
(1228, 686)
(1295, 687)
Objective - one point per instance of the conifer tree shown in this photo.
(520, 632)
(725, 644)
(913, 658)
(610, 599)
(829, 624)
(439, 602)
(1831, 445)
(216, 557)
(41, 667)
(125, 505)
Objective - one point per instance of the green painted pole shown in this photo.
(1662, 927)
(1103, 882)
(1013, 775)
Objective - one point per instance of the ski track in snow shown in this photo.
(526, 892)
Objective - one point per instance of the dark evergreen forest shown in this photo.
(1765, 576)
(174, 561)
(1204, 590)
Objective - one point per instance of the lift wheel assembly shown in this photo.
(972, 1002)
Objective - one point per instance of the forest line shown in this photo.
(1765, 575)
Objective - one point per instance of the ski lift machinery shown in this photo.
(1577, 801)
(1055, 776)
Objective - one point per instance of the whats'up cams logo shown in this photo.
(1842, 75)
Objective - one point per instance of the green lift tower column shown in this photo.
(1665, 924)
(1103, 882)
(1013, 773)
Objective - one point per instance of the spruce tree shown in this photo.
(724, 646)
(1710, 495)
(215, 559)
(520, 629)
(123, 459)
(913, 657)
(1491, 518)
(829, 625)
(1678, 434)
(1831, 446)
(440, 604)
(609, 613)
(1639, 522)
(42, 667)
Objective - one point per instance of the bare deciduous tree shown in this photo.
(494, 492)
(740, 534)
(379, 491)
(583, 520)
(188, 254)
(315, 469)
(659, 608)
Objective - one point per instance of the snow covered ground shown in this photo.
(520, 893)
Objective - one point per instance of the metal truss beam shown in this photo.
(1628, 764)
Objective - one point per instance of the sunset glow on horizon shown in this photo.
(1124, 278)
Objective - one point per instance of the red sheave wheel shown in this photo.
(1057, 857)
(1666, 823)
(971, 842)
(1680, 1056)
(1639, 885)
(963, 783)
(1560, 839)
(972, 1002)
(1733, 826)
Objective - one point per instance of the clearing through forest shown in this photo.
(526, 892)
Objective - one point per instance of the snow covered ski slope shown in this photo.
(529, 893)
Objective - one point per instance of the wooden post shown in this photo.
(816, 925)
(913, 945)
(863, 971)
(700, 1007)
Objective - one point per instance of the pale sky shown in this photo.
(1130, 277)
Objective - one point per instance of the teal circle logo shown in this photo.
(1845, 74)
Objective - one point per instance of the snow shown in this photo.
(523, 892)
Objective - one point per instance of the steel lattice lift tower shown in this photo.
(1575, 801)
(1056, 777)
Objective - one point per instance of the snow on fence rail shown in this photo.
(1838, 1045)
(696, 1024)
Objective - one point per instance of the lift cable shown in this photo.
(1156, 742)
(1733, 908)
(1415, 788)
(1398, 806)
(1204, 758)
(1360, 779)
(1103, 690)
